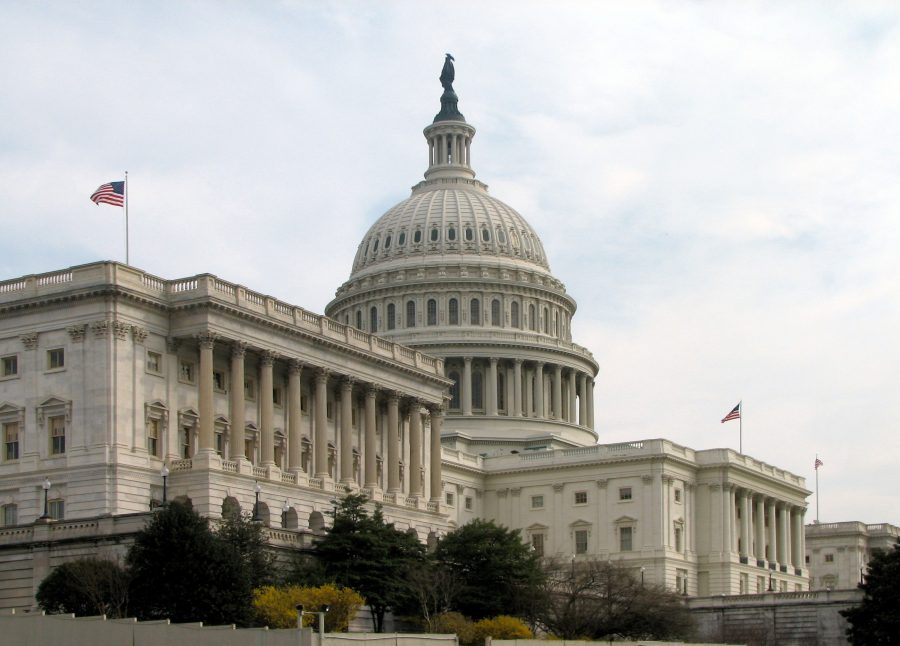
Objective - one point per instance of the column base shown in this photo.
(206, 459)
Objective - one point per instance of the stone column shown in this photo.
(266, 410)
(557, 392)
(347, 430)
(572, 397)
(492, 387)
(371, 474)
(784, 539)
(527, 393)
(760, 527)
(590, 402)
(415, 448)
(466, 393)
(320, 449)
(207, 427)
(539, 389)
(237, 414)
(295, 417)
(796, 533)
(437, 417)
(730, 520)
(393, 442)
(773, 539)
(801, 561)
(517, 388)
(582, 401)
(745, 523)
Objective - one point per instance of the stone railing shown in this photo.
(212, 287)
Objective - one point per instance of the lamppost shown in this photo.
(164, 472)
(256, 517)
(46, 487)
(573, 567)
(771, 583)
(642, 575)
(285, 508)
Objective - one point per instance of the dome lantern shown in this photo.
(449, 136)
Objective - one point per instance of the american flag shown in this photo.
(111, 193)
(818, 464)
(734, 414)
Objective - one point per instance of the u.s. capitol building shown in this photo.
(443, 383)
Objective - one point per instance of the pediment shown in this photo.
(52, 401)
(624, 520)
(10, 409)
(580, 523)
(536, 527)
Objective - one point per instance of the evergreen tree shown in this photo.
(247, 538)
(85, 587)
(499, 574)
(369, 555)
(182, 571)
(877, 619)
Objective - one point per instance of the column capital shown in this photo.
(295, 367)
(238, 348)
(393, 397)
(714, 486)
(322, 375)
(267, 357)
(372, 390)
(539, 364)
(601, 484)
(494, 361)
(467, 359)
(518, 361)
(557, 368)
(436, 410)
(29, 340)
(347, 383)
(172, 344)
(646, 479)
(206, 339)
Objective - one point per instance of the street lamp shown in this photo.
(573, 566)
(256, 517)
(164, 472)
(771, 583)
(642, 575)
(46, 486)
(284, 512)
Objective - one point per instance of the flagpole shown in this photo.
(741, 430)
(127, 258)
(817, 488)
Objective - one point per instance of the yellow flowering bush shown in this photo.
(276, 606)
(501, 627)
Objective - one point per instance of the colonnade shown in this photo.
(537, 389)
(401, 409)
(761, 528)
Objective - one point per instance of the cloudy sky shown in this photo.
(716, 183)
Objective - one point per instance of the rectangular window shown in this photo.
(9, 366)
(678, 532)
(10, 515)
(448, 499)
(57, 425)
(760, 584)
(184, 441)
(250, 389)
(278, 397)
(581, 497)
(678, 495)
(537, 502)
(56, 509)
(304, 404)
(829, 558)
(154, 362)
(329, 410)
(581, 541)
(219, 381)
(220, 443)
(744, 584)
(625, 536)
(468, 503)
(537, 544)
(625, 493)
(56, 359)
(153, 437)
(186, 371)
(11, 441)
(681, 581)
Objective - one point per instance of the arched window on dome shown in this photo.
(477, 390)
(435, 234)
(514, 239)
(501, 392)
(555, 323)
(474, 312)
(373, 319)
(514, 314)
(526, 241)
(532, 318)
(391, 316)
(375, 247)
(453, 311)
(358, 319)
(401, 239)
(454, 390)
(470, 234)
(495, 312)
(501, 236)
(451, 234)
(366, 252)
(417, 236)
(546, 321)
(486, 235)
(432, 311)
(410, 314)
(387, 242)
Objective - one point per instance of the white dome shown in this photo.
(455, 220)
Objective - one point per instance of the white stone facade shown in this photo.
(838, 554)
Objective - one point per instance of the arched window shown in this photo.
(392, 317)
(435, 234)
(358, 319)
(477, 390)
(373, 319)
(432, 311)
(451, 234)
(387, 242)
(514, 314)
(375, 246)
(532, 318)
(410, 314)
(470, 234)
(546, 321)
(501, 391)
(475, 312)
(501, 236)
(555, 324)
(417, 236)
(486, 235)
(453, 310)
(401, 239)
(454, 390)
(495, 312)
